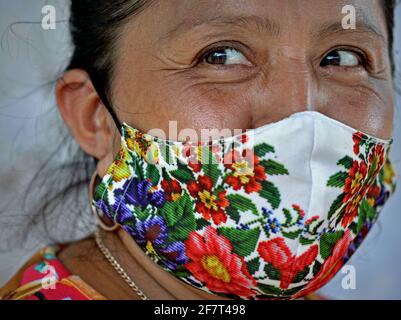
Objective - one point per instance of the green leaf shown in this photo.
(316, 267)
(327, 242)
(253, 265)
(99, 191)
(336, 205)
(292, 234)
(210, 164)
(272, 272)
(243, 241)
(233, 213)
(354, 227)
(288, 217)
(138, 167)
(153, 173)
(346, 162)
(271, 194)
(269, 290)
(263, 148)
(301, 275)
(365, 212)
(201, 223)
(292, 291)
(241, 203)
(338, 180)
(180, 222)
(182, 174)
(370, 211)
(141, 214)
(182, 273)
(165, 153)
(172, 212)
(274, 168)
(372, 168)
(306, 241)
(212, 171)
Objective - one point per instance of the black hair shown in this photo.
(95, 27)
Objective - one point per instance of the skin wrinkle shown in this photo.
(156, 80)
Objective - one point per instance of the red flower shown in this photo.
(373, 194)
(377, 154)
(211, 203)
(310, 220)
(330, 267)
(354, 190)
(357, 137)
(277, 253)
(247, 172)
(213, 263)
(194, 153)
(298, 208)
(356, 176)
(172, 189)
(244, 138)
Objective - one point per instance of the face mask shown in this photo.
(273, 213)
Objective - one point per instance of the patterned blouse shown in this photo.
(44, 277)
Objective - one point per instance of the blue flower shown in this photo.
(267, 213)
(243, 227)
(123, 213)
(272, 225)
(152, 236)
(104, 207)
(153, 229)
(138, 193)
(173, 255)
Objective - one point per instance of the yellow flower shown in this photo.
(389, 173)
(119, 170)
(142, 145)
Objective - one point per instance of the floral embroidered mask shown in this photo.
(272, 213)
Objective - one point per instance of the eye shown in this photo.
(225, 56)
(341, 58)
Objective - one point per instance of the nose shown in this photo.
(287, 86)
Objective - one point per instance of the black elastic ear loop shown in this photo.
(97, 83)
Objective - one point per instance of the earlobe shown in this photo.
(83, 112)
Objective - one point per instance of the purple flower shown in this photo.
(123, 213)
(381, 199)
(138, 193)
(153, 229)
(104, 207)
(174, 254)
(152, 233)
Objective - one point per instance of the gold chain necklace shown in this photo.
(110, 258)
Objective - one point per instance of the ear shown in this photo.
(86, 117)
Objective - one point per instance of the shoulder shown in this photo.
(45, 277)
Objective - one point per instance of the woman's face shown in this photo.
(216, 64)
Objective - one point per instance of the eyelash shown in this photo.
(363, 58)
(228, 45)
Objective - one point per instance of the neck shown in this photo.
(155, 282)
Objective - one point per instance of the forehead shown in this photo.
(175, 17)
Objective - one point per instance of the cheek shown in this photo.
(158, 103)
(366, 108)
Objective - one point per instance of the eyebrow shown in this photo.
(363, 26)
(266, 25)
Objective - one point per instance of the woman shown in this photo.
(272, 213)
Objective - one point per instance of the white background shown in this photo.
(30, 57)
